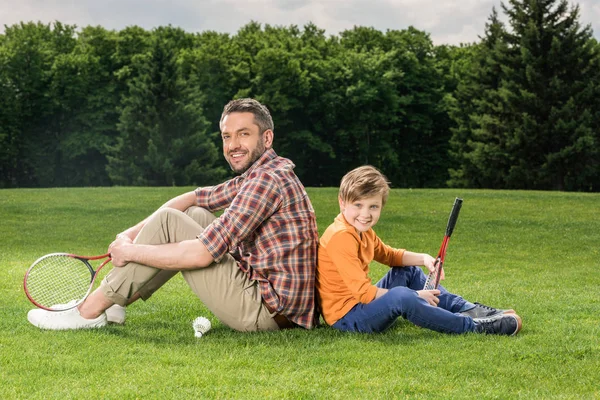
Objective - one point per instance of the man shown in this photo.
(253, 267)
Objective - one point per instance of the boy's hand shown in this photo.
(429, 263)
(430, 296)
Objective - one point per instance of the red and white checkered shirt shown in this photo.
(269, 226)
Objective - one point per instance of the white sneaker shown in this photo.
(61, 320)
(115, 314)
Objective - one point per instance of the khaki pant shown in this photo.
(225, 290)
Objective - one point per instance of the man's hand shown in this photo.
(430, 296)
(117, 250)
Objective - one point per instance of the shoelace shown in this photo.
(486, 307)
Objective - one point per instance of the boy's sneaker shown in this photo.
(115, 314)
(60, 320)
(483, 311)
(501, 324)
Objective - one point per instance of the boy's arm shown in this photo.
(385, 254)
(399, 257)
(418, 259)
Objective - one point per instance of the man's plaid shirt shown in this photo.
(269, 226)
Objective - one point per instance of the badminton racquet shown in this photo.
(61, 281)
(433, 279)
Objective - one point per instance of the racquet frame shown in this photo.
(84, 259)
(433, 279)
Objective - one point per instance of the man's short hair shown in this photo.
(262, 116)
(363, 182)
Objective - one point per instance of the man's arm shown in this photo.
(185, 255)
(181, 203)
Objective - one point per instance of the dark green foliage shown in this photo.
(162, 129)
(518, 109)
(526, 109)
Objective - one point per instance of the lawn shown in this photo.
(536, 252)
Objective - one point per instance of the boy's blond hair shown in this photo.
(363, 182)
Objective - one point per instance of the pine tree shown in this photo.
(163, 133)
(535, 129)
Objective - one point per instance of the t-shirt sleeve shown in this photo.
(387, 255)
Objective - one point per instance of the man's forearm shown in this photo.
(132, 232)
(181, 203)
(185, 255)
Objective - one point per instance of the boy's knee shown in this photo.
(402, 294)
(404, 298)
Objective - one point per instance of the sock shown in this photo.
(466, 307)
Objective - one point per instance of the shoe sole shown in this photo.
(44, 322)
(519, 324)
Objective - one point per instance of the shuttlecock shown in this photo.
(201, 326)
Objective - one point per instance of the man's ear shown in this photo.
(268, 138)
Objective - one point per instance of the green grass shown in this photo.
(537, 252)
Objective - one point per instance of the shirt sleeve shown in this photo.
(257, 199)
(343, 251)
(387, 255)
(218, 197)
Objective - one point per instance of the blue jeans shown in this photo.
(402, 300)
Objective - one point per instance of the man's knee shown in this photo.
(165, 213)
(202, 216)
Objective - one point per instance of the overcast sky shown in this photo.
(447, 21)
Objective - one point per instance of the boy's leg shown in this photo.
(414, 278)
(399, 301)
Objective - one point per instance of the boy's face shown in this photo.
(362, 214)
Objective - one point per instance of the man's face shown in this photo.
(243, 144)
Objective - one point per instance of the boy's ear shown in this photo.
(342, 204)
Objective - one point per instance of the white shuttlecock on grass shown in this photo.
(201, 326)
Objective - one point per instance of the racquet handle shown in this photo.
(453, 216)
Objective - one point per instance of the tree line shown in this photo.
(518, 109)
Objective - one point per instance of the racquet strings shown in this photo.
(58, 279)
(430, 283)
(433, 279)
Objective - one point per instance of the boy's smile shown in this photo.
(362, 214)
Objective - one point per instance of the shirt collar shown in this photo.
(349, 227)
(267, 156)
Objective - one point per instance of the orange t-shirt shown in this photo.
(344, 257)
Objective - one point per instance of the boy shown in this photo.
(350, 302)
